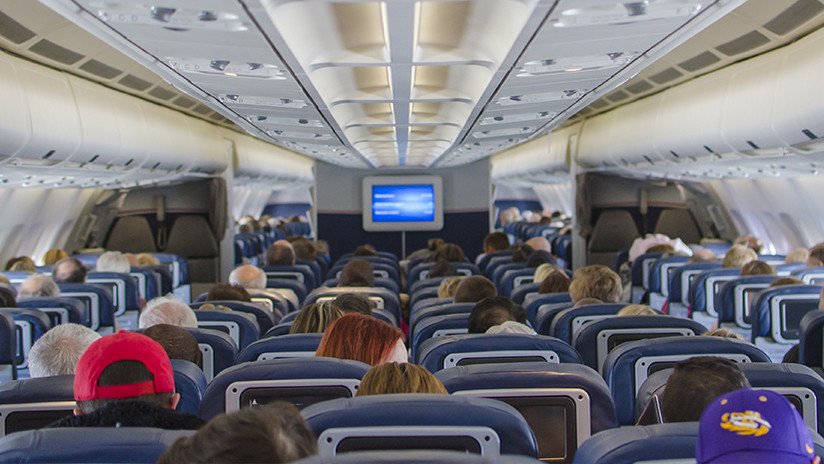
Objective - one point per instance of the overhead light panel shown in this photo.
(298, 135)
(227, 68)
(272, 102)
(511, 118)
(575, 64)
(504, 132)
(176, 19)
(541, 97)
(271, 120)
(626, 12)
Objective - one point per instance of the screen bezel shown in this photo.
(371, 226)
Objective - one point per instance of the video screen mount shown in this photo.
(402, 203)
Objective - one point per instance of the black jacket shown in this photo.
(132, 413)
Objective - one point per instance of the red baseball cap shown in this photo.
(122, 346)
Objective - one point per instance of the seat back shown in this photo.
(464, 350)
(413, 457)
(543, 302)
(241, 327)
(264, 318)
(733, 301)
(628, 366)
(497, 261)
(704, 287)
(217, 349)
(61, 310)
(500, 271)
(641, 268)
(148, 282)
(661, 270)
(381, 282)
(439, 310)
(598, 338)
(811, 275)
(777, 312)
(485, 260)
(568, 322)
(379, 270)
(519, 293)
(34, 403)
(298, 272)
(97, 299)
(31, 324)
(811, 339)
(288, 284)
(283, 346)
(431, 282)
(8, 348)
(190, 382)
(122, 287)
(302, 382)
(563, 403)
(660, 443)
(421, 271)
(419, 421)
(437, 327)
(384, 298)
(422, 294)
(682, 276)
(513, 279)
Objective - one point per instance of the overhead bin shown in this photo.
(257, 161)
(540, 160)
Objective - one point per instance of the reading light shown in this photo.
(626, 12)
(298, 135)
(509, 118)
(261, 101)
(176, 19)
(541, 97)
(227, 68)
(259, 119)
(575, 64)
(503, 132)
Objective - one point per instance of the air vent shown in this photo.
(131, 160)
(598, 104)
(743, 44)
(699, 62)
(639, 87)
(14, 31)
(202, 109)
(752, 144)
(809, 134)
(793, 17)
(48, 155)
(55, 52)
(100, 69)
(215, 116)
(669, 74)
(161, 93)
(617, 96)
(135, 83)
(184, 102)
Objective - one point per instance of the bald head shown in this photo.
(248, 277)
(69, 270)
(539, 243)
(280, 252)
(39, 285)
(702, 255)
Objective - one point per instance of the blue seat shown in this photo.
(217, 348)
(17, 277)
(379, 270)
(495, 262)
(314, 266)
(97, 299)
(513, 279)
(596, 339)
(463, 350)
(436, 327)
(566, 324)
(654, 443)
(130, 445)
(89, 260)
(61, 310)
(733, 301)
(682, 276)
(278, 330)
(298, 381)
(439, 310)
(423, 294)
(299, 272)
(241, 327)
(640, 274)
(284, 346)
(190, 382)
(419, 421)
(421, 271)
(165, 277)
(773, 260)
(32, 325)
(8, 348)
(563, 403)
(776, 314)
(177, 265)
(810, 275)
(384, 298)
(701, 297)
(554, 300)
(484, 262)
(388, 284)
(661, 270)
(34, 403)
(415, 457)
(787, 269)
(428, 303)
(289, 318)
(147, 281)
(811, 339)
(265, 318)
(519, 293)
(123, 288)
(629, 365)
(500, 271)
(431, 282)
(285, 284)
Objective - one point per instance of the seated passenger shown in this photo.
(167, 310)
(147, 259)
(228, 292)
(38, 286)
(521, 252)
(555, 282)
(442, 268)
(448, 286)
(786, 281)
(280, 253)
(21, 264)
(304, 249)
(757, 268)
(356, 273)
(426, 253)
(69, 270)
(362, 338)
(738, 256)
(57, 351)
(816, 256)
(177, 342)
(274, 433)
(596, 281)
(637, 310)
(448, 252)
(797, 256)
(538, 258)
(511, 327)
(8, 296)
(365, 250)
(495, 241)
(702, 255)
(542, 271)
(723, 333)
(126, 380)
(697, 381)
(494, 311)
(54, 255)
(315, 318)
(750, 241)
(473, 289)
(353, 303)
(113, 261)
(539, 243)
(390, 378)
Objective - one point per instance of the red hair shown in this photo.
(360, 338)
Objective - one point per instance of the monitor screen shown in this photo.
(402, 203)
(791, 314)
(301, 397)
(617, 339)
(499, 359)
(553, 421)
(31, 420)
(750, 295)
(446, 442)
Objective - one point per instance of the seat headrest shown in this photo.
(725, 298)
(190, 382)
(57, 388)
(283, 343)
(760, 311)
(811, 332)
(414, 457)
(562, 326)
(640, 443)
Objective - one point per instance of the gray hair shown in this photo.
(248, 277)
(113, 261)
(57, 351)
(37, 286)
(167, 310)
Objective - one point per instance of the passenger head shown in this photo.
(539, 258)
(315, 318)
(442, 268)
(786, 281)
(695, 382)
(281, 252)
(54, 255)
(228, 292)
(356, 273)
(738, 256)
(750, 241)
(816, 257)
(510, 327)
(596, 281)
(132, 259)
(637, 310)
(177, 342)
(69, 270)
(448, 286)
(702, 255)
(304, 250)
(449, 252)
(353, 303)
(147, 259)
(797, 256)
(249, 277)
(57, 351)
(494, 311)
(555, 282)
(663, 248)
(474, 288)
(21, 264)
(496, 241)
(757, 268)
(8, 296)
(753, 426)
(541, 272)
(390, 378)
(167, 310)
(539, 243)
(38, 286)
(434, 243)
(520, 253)
(113, 261)
(723, 333)
(125, 365)
(362, 338)
(274, 433)
(365, 250)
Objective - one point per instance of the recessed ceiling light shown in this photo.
(575, 64)
(262, 101)
(176, 19)
(503, 132)
(227, 68)
(541, 97)
(626, 12)
(299, 135)
(510, 118)
(271, 120)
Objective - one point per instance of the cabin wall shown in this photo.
(466, 192)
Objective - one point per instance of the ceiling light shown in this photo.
(510, 118)
(299, 135)
(262, 101)
(284, 121)
(176, 19)
(626, 12)
(541, 97)
(227, 68)
(575, 64)
(503, 132)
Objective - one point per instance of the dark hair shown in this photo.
(494, 311)
(442, 268)
(7, 297)
(520, 253)
(434, 243)
(315, 317)
(356, 273)
(817, 252)
(124, 373)
(448, 252)
(697, 381)
(177, 341)
(473, 289)
(78, 275)
(757, 268)
(365, 250)
(228, 292)
(353, 303)
(280, 253)
(274, 433)
(304, 249)
(538, 257)
(497, 241)
(555, 282)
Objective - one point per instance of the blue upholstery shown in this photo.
(147, 280)
(126, 295)
(218, 350)
(508, 280)
(428, 303)
(546, 315)
(88, 260)
(537, 375)
(314, 266)
(296, 369)
(175, 263)
(60, 310)
(190, 382)
(390, 300)
(500, 271)
(565, 322)
(165, 278)
(17, 396)
(128, 445)
(33, 324)
(596, 335)
(484, 262)
(811, 339)
(700, 297)
(679, 284)
(17, 277)
(415, 457)
(495, 262)
(437, 353)
(278, 330)
(289, 317)
(621, 364)
(379, 269)
(660, 271)
(553, 299)
(787, 269)
(436, 327)
(520, 293)
(299, 272)
(265, 318)
(729, 303)
(431, 282)
(766, 323)
(638, 265)
(388, 284)
(285, 346)
(810, 275)
(640, 443)
(242, 327)
(102, 315)
(298, 287)
(424, 411)
(422, 294)
(416, 273)
(439, 310)
(8, 349)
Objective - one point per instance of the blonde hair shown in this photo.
(147, 259)
(395, 377)
(738, 256)
(315, 318)
(448, 286)
(637, 310)
(798, 255)
(54, 255)
(542, 272)
(596, 281)
(724, 333)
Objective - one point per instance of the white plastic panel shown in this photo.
(15, 129)
(259, 159)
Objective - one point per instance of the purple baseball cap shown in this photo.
(753, 426)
